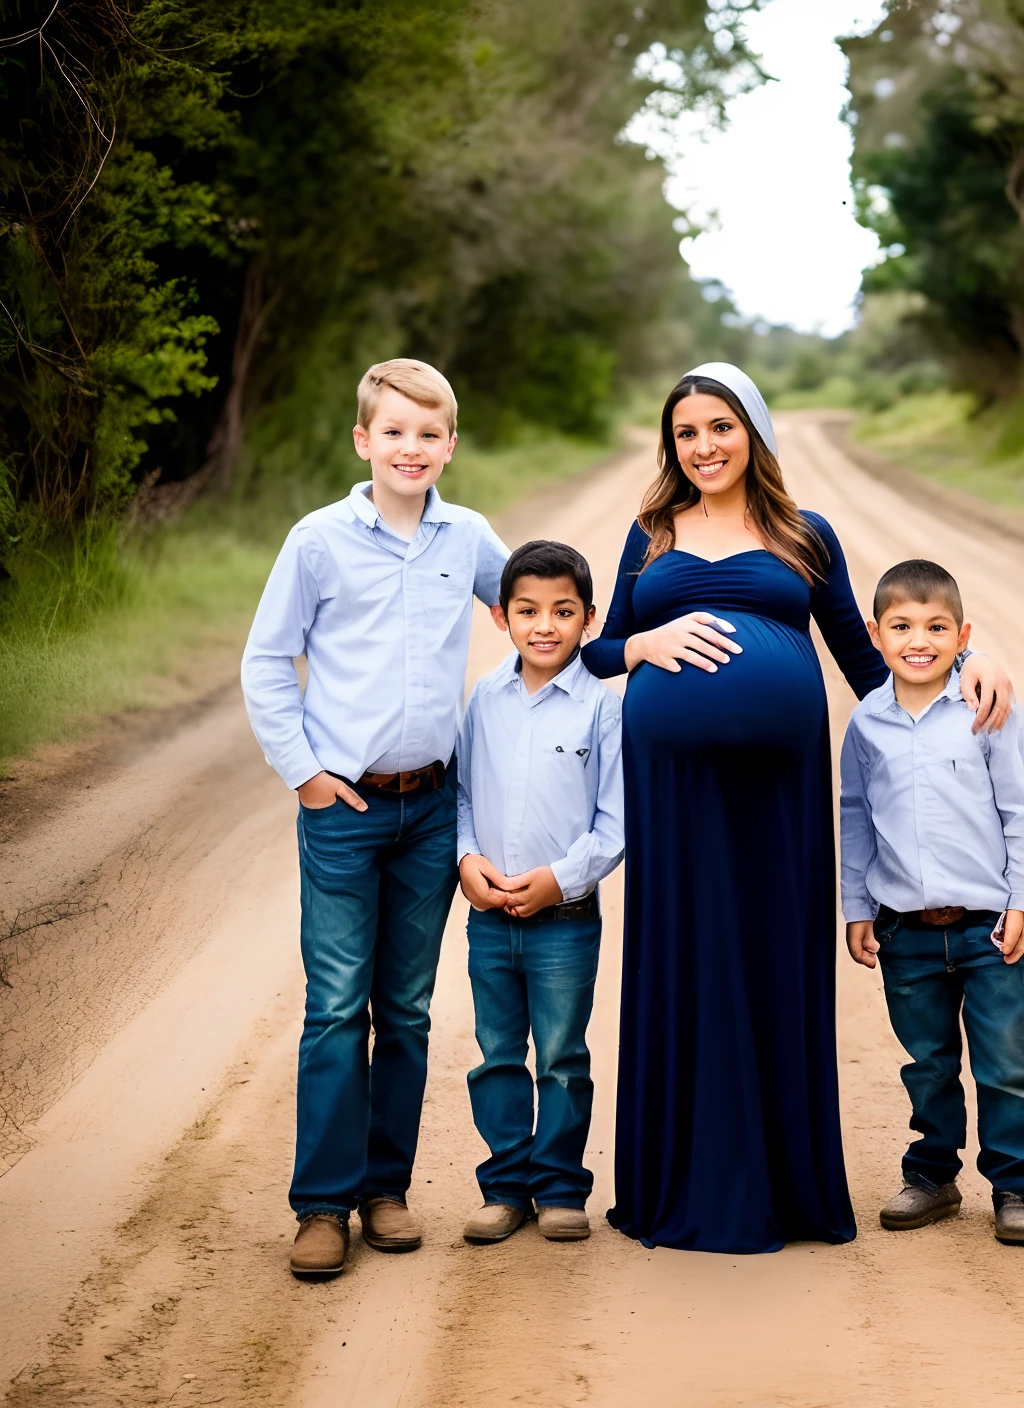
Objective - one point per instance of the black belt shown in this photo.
(585, 908)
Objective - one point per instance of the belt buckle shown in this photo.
(389, 782)
(942, 917)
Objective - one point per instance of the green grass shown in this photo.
(835, 392)
(945, 437)
(114, 621)
(149, 621)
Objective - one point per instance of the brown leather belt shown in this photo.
(585, 908)
(394, 784)
(942, 918)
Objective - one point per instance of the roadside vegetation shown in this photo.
(938, 112)
(121, 616)
(934, 368)
(948, 437)
(212, 219)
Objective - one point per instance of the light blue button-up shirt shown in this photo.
(384, 625)
(540, 776)
(932, 815)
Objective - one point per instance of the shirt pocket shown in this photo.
(568, 749)
(451, 579)
(446, 595)
(964, 761)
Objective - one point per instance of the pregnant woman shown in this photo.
(727, 1133)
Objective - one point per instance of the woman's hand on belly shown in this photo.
(692, 640)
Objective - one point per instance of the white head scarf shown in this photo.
(745, 392)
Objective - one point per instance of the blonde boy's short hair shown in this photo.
(419, 381)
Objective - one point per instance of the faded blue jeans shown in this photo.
(930, 974)
(533, 974)
(376, 890)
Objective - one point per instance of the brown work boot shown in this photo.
(917, 1207)
(320, 1246)
(1010, 1219)
(563, 1224)
(389, 1226)
(494, 1222)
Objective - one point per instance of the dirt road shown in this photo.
(148, 1034)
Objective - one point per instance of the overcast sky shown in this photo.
(772, 185)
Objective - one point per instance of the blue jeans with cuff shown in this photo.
(376, 890)
(533, 975)
(931, 975)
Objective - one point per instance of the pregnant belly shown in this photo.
(771, 696)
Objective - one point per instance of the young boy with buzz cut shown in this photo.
(540, 824)
(376, 591)
(933, 884)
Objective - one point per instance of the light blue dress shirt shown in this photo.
(540, 776)
(384, 625)
(931, 814)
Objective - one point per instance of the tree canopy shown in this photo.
(938, 107)
(213, 217)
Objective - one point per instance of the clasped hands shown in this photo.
(521, 895)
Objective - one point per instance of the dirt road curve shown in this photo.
(148, 1036)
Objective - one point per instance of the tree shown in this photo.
(207, 209)
(938, 97)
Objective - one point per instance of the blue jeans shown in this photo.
(533, 974)
(376, 890)
(930, 974)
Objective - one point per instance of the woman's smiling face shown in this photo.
(712, 443)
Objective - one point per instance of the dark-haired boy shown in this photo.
(933, 883)
(540, 824)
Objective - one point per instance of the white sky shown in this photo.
(769, 190)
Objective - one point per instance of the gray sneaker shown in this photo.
(917, 1207)
(1010, 1219)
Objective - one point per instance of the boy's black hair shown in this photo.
(547, 560)
(918, 580)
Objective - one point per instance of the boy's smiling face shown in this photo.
(919, 640)
(546, 619)
(406, 444)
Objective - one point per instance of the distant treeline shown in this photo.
(214, 216)
(938, 112)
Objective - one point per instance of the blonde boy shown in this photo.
(376, 591)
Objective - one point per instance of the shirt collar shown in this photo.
(885, 697)
(952, 690)
(435, 510)
(571, 680)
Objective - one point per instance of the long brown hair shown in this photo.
(779, 523)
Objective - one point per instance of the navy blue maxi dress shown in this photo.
(727, 1128)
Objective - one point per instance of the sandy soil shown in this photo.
(147, 1040)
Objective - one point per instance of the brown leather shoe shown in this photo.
(389, 1226)
(494, 1222)
(917, 1207)
(563, 1224)
(320, 1247)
